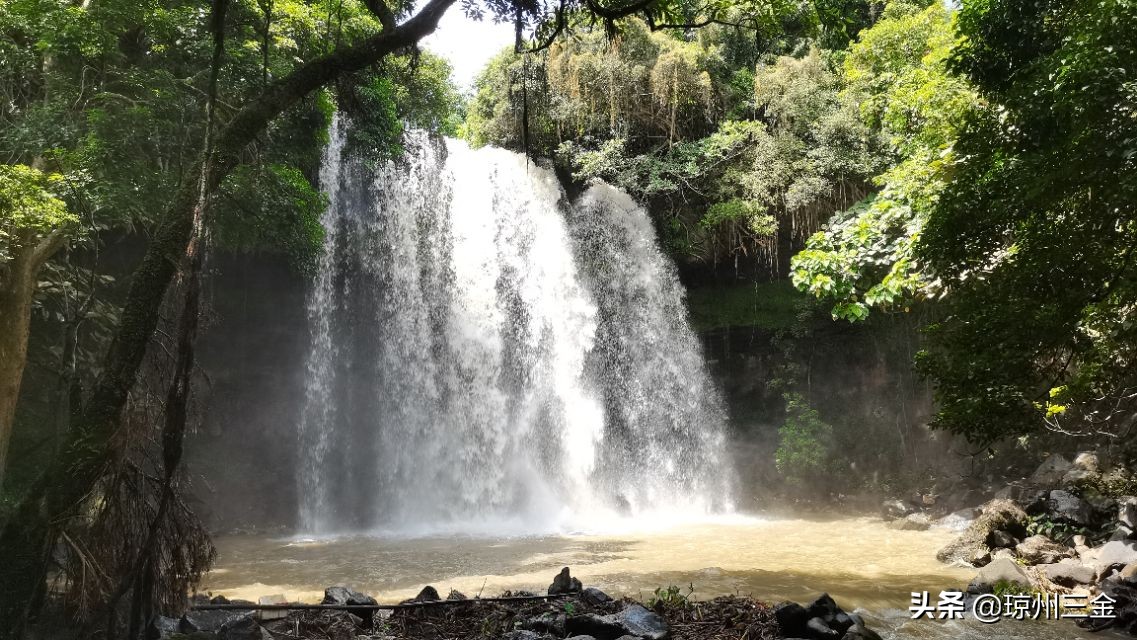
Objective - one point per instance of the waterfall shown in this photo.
(487, 356)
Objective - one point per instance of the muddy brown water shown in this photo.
(862, 563)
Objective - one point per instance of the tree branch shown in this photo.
(383, 12)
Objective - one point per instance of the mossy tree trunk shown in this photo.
(28, 537)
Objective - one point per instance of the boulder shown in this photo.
(428, 594)
(564, 583)
(346, 596)
(594, 596)
(895, 509)
(243, 629)
(1001, 570)
(456, 595)
(161, 627)
(1128, 574)
(1050, 472)
(1069, 573)
(1127, 511)
(548, 622)
(1042, 550)
(995, 515)
(791, 617)
(1116, 553)
(958, 520)
(859, 631)
(817, 629)
(1121, 533)
(912, 522)
(1066, 506)
(1085, 466)
(209, 621)
(638, 621)
(999, 539)
(597, 626)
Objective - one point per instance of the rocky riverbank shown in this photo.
(568, 610)
(1068, 531)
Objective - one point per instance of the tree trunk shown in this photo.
(17, 291)
(28, 536)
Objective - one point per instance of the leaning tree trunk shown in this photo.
(27, 538)
(17, 292)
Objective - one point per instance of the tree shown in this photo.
(34, 224)
(1033, 238)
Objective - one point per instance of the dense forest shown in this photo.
(947, 192)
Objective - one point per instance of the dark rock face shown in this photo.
(209, 621)
(564, 583)
(595, 596)
(1067, 506)
(346, 596)
(821, 620)
(633, 620)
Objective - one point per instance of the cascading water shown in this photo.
(487, 356)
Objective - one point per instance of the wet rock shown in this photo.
(161, 627)
(428, 594)
(210, 621)
(522, 634)
(243, 629)
(594, 596)
(894, 509)
(564, 583)
(1115, 554)
(999, 539)
(1070, 573)
(823, 607)
(600, 627)
(1042, 550)
(859, 631)
(1066, 506)
(995, 515)
(980, 558)
(912, 522)
(791, 617)
(958, 520)
(638, 621)
(1127, 511)
(1050, 472)
(1000, 570)
(816, 628)
(547, 622)
(346, 596)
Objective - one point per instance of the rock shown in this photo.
(817, 629)
(1127, 511)
(894, 509)
(243, 629)
(456, 595)
(564, 583)
(1000, 554)
(791, 618)
(859, 631)
(1068, 574)
(1050, 472)
(590, 637)
(219, 599)
(1115, 553)
(209, 621)
(912, 522)
(999, 539)
(428, 594)
(1066, 506)
(1121, 533)
(980, 558)
(1128, 574)
(638, 621)
(958, 520)
(997, 514)
(1042, 550)
(347, 596)
(594, 596)
(522, 634)
(633, 620)
(1001, 570)
(161, 628)
(600, 627)
(823, 607)
(547, 622)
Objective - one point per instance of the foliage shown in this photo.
(29, 208)
(804, 442)
(670, 596)
(1057, 530)
(1031, 240)
(897, 73)
(767, 305)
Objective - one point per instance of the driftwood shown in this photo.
(365, 607)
